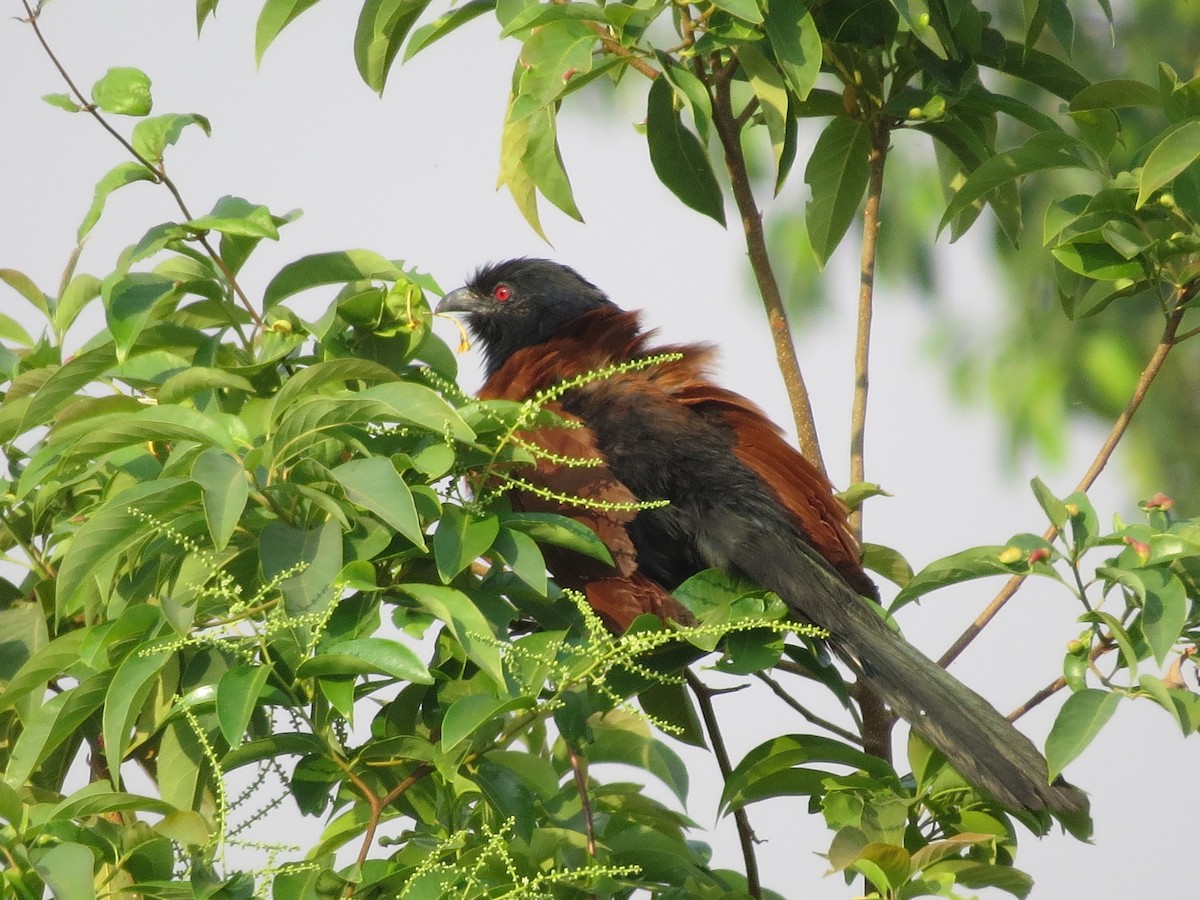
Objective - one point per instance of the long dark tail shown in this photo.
(979, 743)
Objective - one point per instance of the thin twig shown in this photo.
(703, 695)
(1120, 426)
(578, 767)
(880, 136)
(1107, 643)
(159, 172)
(725, 122)
(778, 690)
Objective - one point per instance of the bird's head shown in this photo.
(519, 303)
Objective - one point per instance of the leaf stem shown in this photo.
(703, 694)
(1103, 455)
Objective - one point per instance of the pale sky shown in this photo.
(412, 176)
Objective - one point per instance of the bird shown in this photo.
(685, 475)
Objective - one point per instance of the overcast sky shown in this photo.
(412, 176)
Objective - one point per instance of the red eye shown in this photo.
(501, 292)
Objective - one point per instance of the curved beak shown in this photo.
(462, 300)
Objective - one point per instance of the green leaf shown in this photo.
(63, 101)
(1038, 68)
(418, 405)
(382, 28)
(837, 173)
(79, 292)
(464, 620)
(66, 869)
(376, 486)
(467, 714)
(965, 565)
(154, 423)
(781, 766)
(521, 554)
(551, 57)
(124, 91)
(23, 285)
(287, 743)
(1055, 509)
(887, 865)
(460, 539)
(196, 379)
(237, 697)
(796, 42)
(1047, 150)
(48, 662)
(535, 14)
(747, 10)
(1115, 94)
(123, 702)
(224, 491)
(446, 23)
(1077, 723)
(543, 163)
(129, 303)
(691, 91)
(772, 97)
(888, 562)
(678, 157)
(109, 533)
(337, 371)
(1165, 610)
(551, 528)
(624, 738)
(1092, 256)
(328, 268)
(367, 656)
(276, 15)
(153, 135)
(509, 795)
(916, 16)
(316, 554)
(117, 177)
(54, 722)
(12, 330)
(233, 215)
(1178, 149)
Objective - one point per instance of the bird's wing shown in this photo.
(570, 465)
(798, 486)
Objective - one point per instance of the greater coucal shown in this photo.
(739, 497)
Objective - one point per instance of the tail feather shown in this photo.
(983, 746)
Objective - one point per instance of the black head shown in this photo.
(521, 302)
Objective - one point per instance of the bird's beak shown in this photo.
(462, 300)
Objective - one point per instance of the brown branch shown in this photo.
(158, 171)
(778, 690)
(1120, 426)
(703, 694)
(585, 803)
(880, 136)
(725, 123)
(1107, 643)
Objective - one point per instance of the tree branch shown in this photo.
(880, 137)
(726, 125)
(703, 694)
(1120, 426)
(159, 172)
(1107, 643)
(778, 690)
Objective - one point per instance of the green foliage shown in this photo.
(248, 541)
